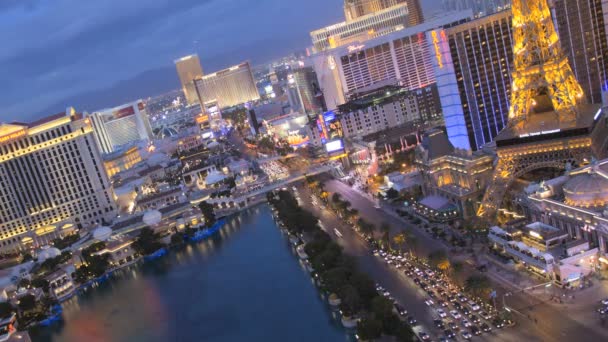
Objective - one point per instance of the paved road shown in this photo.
(401, 287)
(551, 323)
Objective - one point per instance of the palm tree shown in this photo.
(385, 229)
(477, 284)
(399, 239)
(412, 242)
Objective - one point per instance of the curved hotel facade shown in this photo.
(229, 87)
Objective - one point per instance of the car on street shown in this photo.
(474, 306)
(475, 330)
(604, 301)
(466, 311)
(438, 324)
(457, 306)
(498, 323)
(603, 310)
(466, 335)
(424, 336)
(412, 321)
(455, 314)
(451, 298)
(485, 327)
(449, 333)
(453, 326)
(429, 302)
(441, 313)
(466, 323)
(386, 293)
(474, 319)
(400, 310)
(442, 303)
(485, 315)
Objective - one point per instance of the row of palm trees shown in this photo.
(476, 284)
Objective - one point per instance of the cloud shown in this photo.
(56, 50)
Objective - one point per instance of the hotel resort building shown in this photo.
(52, 180)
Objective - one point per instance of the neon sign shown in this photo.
(353, 48)
(13, 136)
(539, 133)
(436, 46)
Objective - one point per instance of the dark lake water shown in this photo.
(244, 284)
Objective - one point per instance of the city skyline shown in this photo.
(92, 62)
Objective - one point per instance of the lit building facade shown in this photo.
(361, 28)
(576, 203)
(480, 8)
(307, 91)
(52, 180)
(189, 68)
(229, 87)
(581, 26)
(121, 160)
(354, 9)
(385, 108)
(400, 58)
(472, 64)
(457, 175)
(120, 126)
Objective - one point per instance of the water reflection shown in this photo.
(242, 285)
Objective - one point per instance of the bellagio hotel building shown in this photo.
(52, 181)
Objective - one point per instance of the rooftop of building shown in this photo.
(394, 134)
(436, 144)
(545, 126)
(437, 203)
(544, 231)
(157, 195)
(374, 97)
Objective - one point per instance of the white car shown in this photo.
(441, 313)
(429, 302)
(474, 306)
(605, 301)
(466, 323)
(455, 314)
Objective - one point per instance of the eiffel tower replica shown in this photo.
(550, 124)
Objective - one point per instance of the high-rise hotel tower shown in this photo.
(52, 180)
(189, 68)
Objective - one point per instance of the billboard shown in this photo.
(335, 145)
(329, 127)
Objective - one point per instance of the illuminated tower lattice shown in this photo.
(542, 75)
(549, 123)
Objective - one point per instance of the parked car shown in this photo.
(449, 333)
(424, 336)
(485, 327)
(466, 335)
(475, 330)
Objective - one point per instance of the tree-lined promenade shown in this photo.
(339, 274)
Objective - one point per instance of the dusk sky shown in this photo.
(97, 54)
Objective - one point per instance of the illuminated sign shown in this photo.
(13, 136)
(124, 112)
(333, 146)
(332, 42)
(202, 119)
(353, 48)
(535, 234)
(539, 133)
(597, 115)
(437, 48)
(331, 62)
